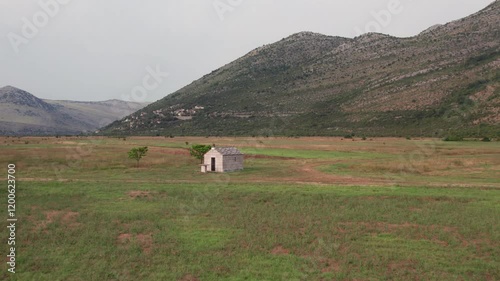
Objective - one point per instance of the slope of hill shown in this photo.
(21, 113)
(100, 113)
(444, 80)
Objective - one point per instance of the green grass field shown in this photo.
(303, 209)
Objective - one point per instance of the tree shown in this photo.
(199, 150)
(137, 153)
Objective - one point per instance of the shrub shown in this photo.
(199, 150)
(137, 153)
(453, 138)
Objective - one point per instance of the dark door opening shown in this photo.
(213, 164)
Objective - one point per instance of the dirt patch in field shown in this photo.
(258, 156)
(175, 151)
(189, 277)
(322, 263)
(124, 238)
(330, 266)
(145, 241)
(221, 270)
(308, 172)
(440, 242)
(66, 218)
(51, 215)
(70, 217)
(279, 250)
(139, 194)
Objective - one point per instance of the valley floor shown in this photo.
(303, 209)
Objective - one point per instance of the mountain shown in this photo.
(442, 81)
(21, 113)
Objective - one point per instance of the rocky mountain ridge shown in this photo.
(444, 80)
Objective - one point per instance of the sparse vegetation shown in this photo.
(454, 137)
(137, 153)
(303, 209)
(199, 150)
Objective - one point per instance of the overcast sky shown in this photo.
(99, 50)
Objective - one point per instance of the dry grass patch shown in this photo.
(66, 218)
(408, 266)
(416, 231)
(189, 277)
(145, 241)
(330, 265)
(139, 194)
(279, 250)
(124, 238)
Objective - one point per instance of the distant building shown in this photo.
(222, 159)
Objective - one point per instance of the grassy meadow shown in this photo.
(303, 209)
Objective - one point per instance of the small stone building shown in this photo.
(222, 159)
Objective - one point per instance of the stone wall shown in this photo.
(233, 162)
(223, 163)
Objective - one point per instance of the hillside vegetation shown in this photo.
(440, 82)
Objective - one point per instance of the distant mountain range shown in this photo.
(22, 113)
(442, 81)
